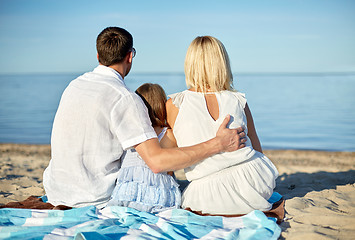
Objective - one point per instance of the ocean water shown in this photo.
(290, 111)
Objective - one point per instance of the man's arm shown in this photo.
(171, 159)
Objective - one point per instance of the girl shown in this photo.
(137, 186)
(230, 183)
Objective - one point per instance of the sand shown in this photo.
(319, 187)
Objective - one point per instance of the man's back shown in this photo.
(90, 131)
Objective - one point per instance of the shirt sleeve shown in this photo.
(241, 98)
(130, 121)
(177, 98)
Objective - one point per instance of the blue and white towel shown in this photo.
(127, 223)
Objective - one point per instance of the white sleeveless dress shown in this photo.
(138, 187)
(227, 183)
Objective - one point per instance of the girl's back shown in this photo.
(138, 187)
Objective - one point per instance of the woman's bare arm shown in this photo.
(253, 136)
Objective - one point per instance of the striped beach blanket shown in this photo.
(127, 223)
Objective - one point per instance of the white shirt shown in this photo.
(97, 119)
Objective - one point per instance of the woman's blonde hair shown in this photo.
(207, 65)
(154, 97)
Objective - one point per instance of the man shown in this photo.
(98, 118)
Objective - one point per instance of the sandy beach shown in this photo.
(318, 187)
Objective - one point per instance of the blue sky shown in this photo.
(260, 36)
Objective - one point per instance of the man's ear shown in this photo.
(130, 57)
(97, 57)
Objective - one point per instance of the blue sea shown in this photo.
(290, 111)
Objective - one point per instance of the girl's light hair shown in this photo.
(207, 65)
(154, 97)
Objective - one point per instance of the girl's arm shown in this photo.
(253, 136)
(168, 141)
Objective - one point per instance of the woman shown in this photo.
(227, 183)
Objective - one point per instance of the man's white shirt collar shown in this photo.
(108, 71)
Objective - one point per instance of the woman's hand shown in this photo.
(230, 139)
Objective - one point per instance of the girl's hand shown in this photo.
(230, 139)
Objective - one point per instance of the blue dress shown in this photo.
(138, 187)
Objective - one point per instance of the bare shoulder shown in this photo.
(170, 105)
(172, 112)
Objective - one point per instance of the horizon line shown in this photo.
(182, 73)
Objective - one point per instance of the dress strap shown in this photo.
(162, 133)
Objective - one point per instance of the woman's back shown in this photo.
(198, 120)
(226, 183)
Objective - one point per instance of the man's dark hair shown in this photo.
(113, 44)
